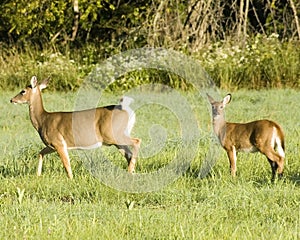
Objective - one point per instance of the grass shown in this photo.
(215, 207)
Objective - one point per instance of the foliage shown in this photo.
(130, 24)
(240, 43)
(53, 21)
(245, 43)
(17, 68)
(264, 62)
(35, 20)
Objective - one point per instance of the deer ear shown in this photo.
(227, 99)
(33, 82)
(44, 83)
(210, 99)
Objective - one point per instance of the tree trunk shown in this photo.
(296, 17)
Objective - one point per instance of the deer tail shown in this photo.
(125, 102)
(279, 142)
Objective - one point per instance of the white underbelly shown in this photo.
(93, 146)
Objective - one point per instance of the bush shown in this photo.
(263, 62)
(17, 67)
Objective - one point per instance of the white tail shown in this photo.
(109, 125)
(262, 135)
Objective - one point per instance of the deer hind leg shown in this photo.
(43, 152)
(231, 153)
(276, 161)
(64, 155)
(131, 157)
(274, 167)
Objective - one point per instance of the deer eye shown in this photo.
(23, 92)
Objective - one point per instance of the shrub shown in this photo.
(263, 62)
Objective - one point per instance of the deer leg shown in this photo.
(131, 157)
(277, 163)
(135, 142)
(125, 151)
(42, 153)
(64, 155)
(231, 153)
(274, 167)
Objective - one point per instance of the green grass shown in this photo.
(215, 207)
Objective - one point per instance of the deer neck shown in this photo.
(219, 125)
(36, 110)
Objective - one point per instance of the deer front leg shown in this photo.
(43, 152)
(231, 153)
(125, 151)
(64, 155)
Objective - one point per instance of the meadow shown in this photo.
(213, 207)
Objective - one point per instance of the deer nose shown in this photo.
(215, 111)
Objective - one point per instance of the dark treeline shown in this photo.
(126, 24)
(240, 43)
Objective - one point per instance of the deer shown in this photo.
(84, 129)
(264, 136)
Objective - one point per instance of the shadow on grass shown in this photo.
(194, 172)
(294, 177)
(256, 180)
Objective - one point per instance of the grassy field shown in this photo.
(214, 207)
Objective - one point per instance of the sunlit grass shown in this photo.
(215, 207)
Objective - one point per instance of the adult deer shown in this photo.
(109, 125)
(262, 135)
